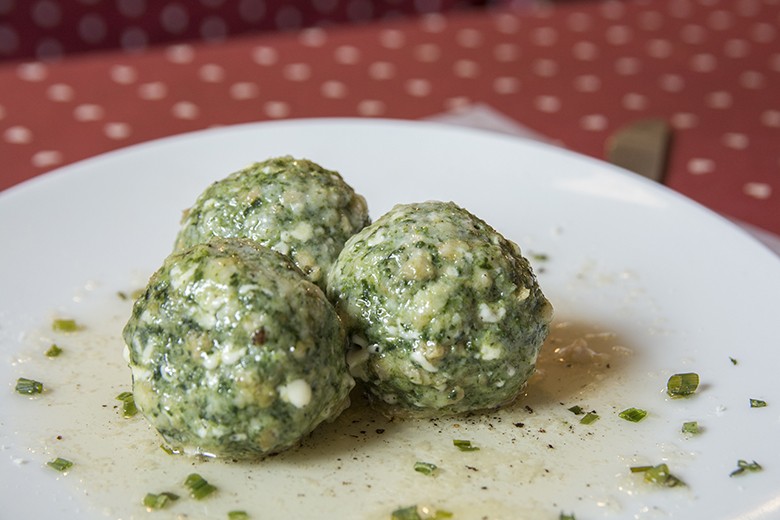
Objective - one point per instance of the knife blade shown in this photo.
(641, 147)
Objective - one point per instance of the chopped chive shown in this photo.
(733, 361)
(65, 325)
(743, 466)
(633, 414)
(566, 516)
(169, 450)
(691, 427)
(406, 513)
(540, 257)
(198, 486)
(60, 464)
(159, 501)
(128, 404)
(53, 351)
(682, 385)
(757, 403)
(426, 468)
(589, 418)
(238, 515)
(464, 445)
(577, 410)
(658, 475)
(28, 386)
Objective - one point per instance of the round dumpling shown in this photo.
(234, 353)
(293, 206)
(445, 315)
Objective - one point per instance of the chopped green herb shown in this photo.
(406, 513)
(658, 475)
(464, 445)
(567, 516)
(576, 410)
(691, 427)
(198, 486)
(633, 414)
(238, 515)
(60, 464)
(540, 257)
(743, 466)
(426, 468)
(682, 385)
(65, 325)
(53, 351)
(733, 361)
(161, 501)
(128, 404)
(419, 513)
(589, 418)
(757, 403)
(169, 450)
(28, 386)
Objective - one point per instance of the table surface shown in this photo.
(574, 73)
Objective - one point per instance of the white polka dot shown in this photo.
(371, 107)
(6, 6)
(693, 34)
(720, 20)
(684, 120)
(117, 131)
(60, 92)
(251, 11)
(750, 8)
(266, 56)
(719, 99)
(427, 6)
(33, 72)
(547, 104)
(701, 166)
(152, 91)
(433, 23)
(185, 110)
(18, 135)
(774, 62)
(46, 158)
(757, 190)
(544, 36)
(672, 82)
(634, 101)
(288, 17)
(594, 122)
(325, 6)
(680, 8)
(587, 83)
(659, 48)
(92, 28)
(276, 109)
(88, 112)
(506, 23)
(46, 14)
(313, 37)
(131, 8)
(771, 118)
(579, 22)
(297, 71)
(752, 79)
(133, 38)
(619, 35)
(347, 54)
(181, 53)
(244, 90)
(418, 87)
(466, 68)
(123, 74)
(545, 68)
(427, 52)
(703, 62)
(585, 51)
(763, 33)
(333, 89)
(506, 52)
(174, 18)
(651, 20)
(360, 10)
(213, 29)
(506, 85)
(735, 140)
(736, 48)
(612, 9)
(211, 73)
(469, 38)
(381, 70)
(392, 39)
(457, 104)
(627, 66)
(49, 49)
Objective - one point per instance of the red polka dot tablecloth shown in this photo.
(574, 72)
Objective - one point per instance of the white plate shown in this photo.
(645, 284)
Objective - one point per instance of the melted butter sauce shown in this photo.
(535, 458)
